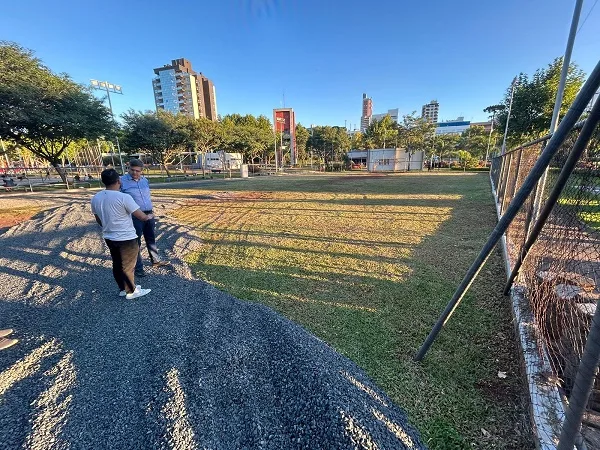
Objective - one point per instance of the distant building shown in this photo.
(393, 113)
(430, 111)
(487, 126)
(387, 159)
(456, 126)
(179, 89)
(367, 113)
(284, 121)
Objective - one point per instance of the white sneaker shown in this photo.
(137, 293)
(124, 293)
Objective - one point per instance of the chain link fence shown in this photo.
(559, 275)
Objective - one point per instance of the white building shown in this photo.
(456, 126)
(430, 111)
(393, 113)
(388, 159)
(221, 160)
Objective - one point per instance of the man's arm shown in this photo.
(98, 219)
(138, 214)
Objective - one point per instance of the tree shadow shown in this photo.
(187, 363)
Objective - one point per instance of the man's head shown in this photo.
(135, 168)
(110, 178)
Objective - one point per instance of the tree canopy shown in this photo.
(44, 112)
(533, 101)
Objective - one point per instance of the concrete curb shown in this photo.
(547, 412)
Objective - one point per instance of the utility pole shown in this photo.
(537, 200)
(512, 93)
(487, 152)
(565, 67)
(115, 89)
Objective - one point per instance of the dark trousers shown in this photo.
(147, 230)
(124, 255)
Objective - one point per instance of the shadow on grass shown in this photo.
(379, 317)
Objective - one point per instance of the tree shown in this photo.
(329, 142)
(357, 141)
(474, 140)
(44, 112)
(251, 136)
(466, 160)
(533, 101)
(381, 133)
(162, 135)
(415, 134)
(445, 144)
(205, 134)
(302, 136)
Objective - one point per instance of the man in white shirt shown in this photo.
(113, 211)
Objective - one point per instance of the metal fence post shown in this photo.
(578, 148)
(507, 177)
(577, 108)
(583, 385)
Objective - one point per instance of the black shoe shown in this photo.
(140, 273)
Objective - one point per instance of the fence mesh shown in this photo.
(560, 276)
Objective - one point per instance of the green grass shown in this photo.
(367, 263)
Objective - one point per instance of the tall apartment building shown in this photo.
(179, 89)
(367, 113)
(430, 111)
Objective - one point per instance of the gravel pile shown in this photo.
(185, 367)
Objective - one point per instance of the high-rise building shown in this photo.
(430, 111)
(284, 121)
(393, 113)
(179, 89)
(367, 113)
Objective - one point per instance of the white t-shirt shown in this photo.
(114, 209)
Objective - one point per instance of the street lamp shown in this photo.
(115, 89)
(487, 153)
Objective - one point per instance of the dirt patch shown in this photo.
(237, 196)
(12, 217)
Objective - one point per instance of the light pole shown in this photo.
(115, 89)
(512, 92)
(487, 152)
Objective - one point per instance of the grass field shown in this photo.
(367, 263)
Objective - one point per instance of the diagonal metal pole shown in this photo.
(578, 149)
(584, 382)
(578, 107)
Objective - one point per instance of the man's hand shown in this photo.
(138, 214)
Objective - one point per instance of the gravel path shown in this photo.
(185, 367)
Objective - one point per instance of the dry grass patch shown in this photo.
(367, 264)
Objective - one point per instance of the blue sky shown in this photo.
(322, 53)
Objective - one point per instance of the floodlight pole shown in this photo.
(105, 84)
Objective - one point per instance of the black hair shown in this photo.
(109, 177)
(136, 163)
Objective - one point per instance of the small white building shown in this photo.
(221, 160)
(388, 159)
